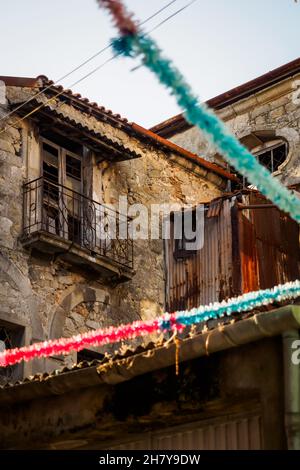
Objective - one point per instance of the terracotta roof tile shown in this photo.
(115, 119)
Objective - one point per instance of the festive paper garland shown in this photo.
(133, 43)
(167, 322)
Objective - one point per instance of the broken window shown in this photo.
(62, 189)
(11, 336)
(270, 151)
(50, 171)
(74, 229)
(73, 167)
(272, 157)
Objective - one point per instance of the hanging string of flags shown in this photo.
(168, 322)
(134, 43)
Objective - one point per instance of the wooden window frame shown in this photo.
(271, 150)
(62, 153)
(63, 181)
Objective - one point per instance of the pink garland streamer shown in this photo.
(167, 322)
(123, 19)
(78, 342)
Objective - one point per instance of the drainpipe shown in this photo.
(291, 391)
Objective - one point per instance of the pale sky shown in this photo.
(217, 44)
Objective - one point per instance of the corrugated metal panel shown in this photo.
(224, 254)
(269, 246)
(206, 276)
(240, 433)
(214, 209)
(244, 250)
(248, 255)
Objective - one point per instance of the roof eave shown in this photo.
(259, 326)
(178, 123)
(171, 146)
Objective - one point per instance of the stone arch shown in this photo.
(21, 283)
(73, 297)
(287, 134)
(293, 138)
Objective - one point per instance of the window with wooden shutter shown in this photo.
(62, 191)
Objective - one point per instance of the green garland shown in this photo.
(135, 45)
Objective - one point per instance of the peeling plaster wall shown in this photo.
(53, 297)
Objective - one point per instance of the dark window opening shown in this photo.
(11, 336)
(63, 141)
(50, 172)
(51, 221)
(273, 158)
(74, 229)
(6, 338)
(51, 150)
(89, 355)
(73, 167)
(51, 191)
(181, 247)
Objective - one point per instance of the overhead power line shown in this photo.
(92, 71)
(78, 67)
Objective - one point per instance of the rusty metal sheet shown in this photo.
(207, 275)
(248, 253)
(244, 250)
(214, 208)
(273, 238)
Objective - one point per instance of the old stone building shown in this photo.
(263, 113)
(237, 387)
(64, 162)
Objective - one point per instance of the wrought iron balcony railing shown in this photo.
(68, 215)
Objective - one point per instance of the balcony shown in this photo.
(64, 223)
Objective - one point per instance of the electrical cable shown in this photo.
(78, 67)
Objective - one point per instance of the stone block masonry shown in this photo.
(54, 298)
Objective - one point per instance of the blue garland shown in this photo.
(243, 303)
(199, 115)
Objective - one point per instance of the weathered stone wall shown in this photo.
(275, 109)
(51, 298)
